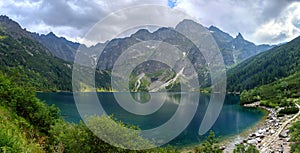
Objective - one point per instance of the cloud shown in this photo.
(283, 28)
(260, 21)
(65, 17)
(235, 16)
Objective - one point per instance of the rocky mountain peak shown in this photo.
(186, 24)
(9, 24)
(141, 32)
(51, 34)
(220, 36)
(6, 20)
(214, 28)
(13, 28)
(239, 36)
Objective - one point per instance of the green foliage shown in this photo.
(34, 63)
(295, 132)
(117, 133)
(249, 96)
(29, 125)
(289, 110)
(73, 137)
(252, 149)
(268, 104)
(14, 135)
(210, 145)
(103, 80)
(241, 148)
(144, 85)
(266, 67)
(26, 105)
(276, 93)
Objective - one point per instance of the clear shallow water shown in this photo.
(232, 120)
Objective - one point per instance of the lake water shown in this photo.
(232, 120)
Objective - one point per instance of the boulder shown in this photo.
(252, 141)
(272, 131)
(283, 135)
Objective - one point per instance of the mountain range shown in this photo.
(234, 50)
(56, 54)
(267, 67)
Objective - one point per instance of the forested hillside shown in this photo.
(20, 54)
(266, 67)
(277, 93)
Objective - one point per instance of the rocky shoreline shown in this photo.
(271, 136)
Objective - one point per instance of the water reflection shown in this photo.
(232, 120)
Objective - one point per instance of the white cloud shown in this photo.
(235, 16)
(284, 28)
(67, 18)
(260, 21)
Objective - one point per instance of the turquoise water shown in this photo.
(232, 120)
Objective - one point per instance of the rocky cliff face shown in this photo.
(59, 46)
(236, 50)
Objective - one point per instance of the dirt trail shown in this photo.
(269, 141)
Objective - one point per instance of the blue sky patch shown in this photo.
(172, 3)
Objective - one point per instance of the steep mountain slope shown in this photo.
(235, 50)
(243, 49)
(116, 47)
(60, 47)
(266, 67)
(21, 53)
(223, 39)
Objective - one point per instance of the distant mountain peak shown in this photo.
(187, 25)
(51, 34)
(222, 38)
(187, 22)
(239, 36)
(142, 31)
(13, 28)
(4, 17)
(9, 22)
(214, 28)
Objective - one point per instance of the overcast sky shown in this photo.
(260, 21)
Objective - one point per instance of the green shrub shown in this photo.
(295, 132)
(24, 102)
(210, 145)
(241, 148)
(71, 137)
(14, 134)
(289, 110)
